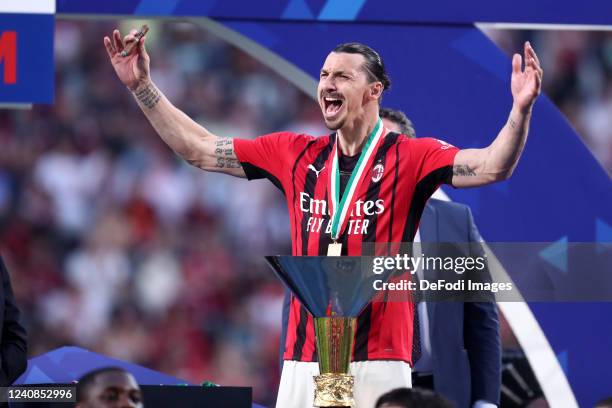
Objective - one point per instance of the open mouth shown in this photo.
(332, 105)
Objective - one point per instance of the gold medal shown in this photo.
(334, 249)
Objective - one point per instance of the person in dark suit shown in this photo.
(13, 340)
(461, 356)
(460, 348)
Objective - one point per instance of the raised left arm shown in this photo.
(477, 167)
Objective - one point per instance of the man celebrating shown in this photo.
(353, 186)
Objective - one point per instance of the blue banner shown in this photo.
(26, 58)
(397, 11)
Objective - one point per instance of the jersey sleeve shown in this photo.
(434, 159)
(268, 156)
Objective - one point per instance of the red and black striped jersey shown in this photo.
(399, 178)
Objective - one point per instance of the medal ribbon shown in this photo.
(339, 211)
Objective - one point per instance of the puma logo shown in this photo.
(311, 167)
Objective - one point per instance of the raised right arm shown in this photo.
(188, 139)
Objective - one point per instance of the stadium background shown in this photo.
(101, 224)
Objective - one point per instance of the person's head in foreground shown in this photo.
(604, 403)
(108, 387)
(412, 398)
(351, 83)
(396, 121)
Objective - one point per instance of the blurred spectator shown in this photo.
(604, 403)
(13, 339)
(110, 387)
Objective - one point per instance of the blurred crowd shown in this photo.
(117, 246)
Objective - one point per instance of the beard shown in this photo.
(335, 125)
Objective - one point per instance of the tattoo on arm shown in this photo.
(463, 170)
(224, 152)
(148, 96)
(512, 123)
(227, 163)
(223, 141)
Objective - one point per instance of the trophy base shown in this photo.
(334, 390)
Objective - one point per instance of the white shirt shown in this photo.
(423, 365)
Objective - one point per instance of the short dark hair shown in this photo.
(413, 397)
(604, 403)
(374, 65)
(83, 383)
(400, 118)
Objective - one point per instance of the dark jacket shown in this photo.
(13, 340)
(465, 339)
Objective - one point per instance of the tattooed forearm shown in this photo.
(463, 170)
(224, 153)
(148, 96)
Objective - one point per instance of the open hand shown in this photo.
(526, 84)
(132, 69)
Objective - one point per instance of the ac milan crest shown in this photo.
(377, 172)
